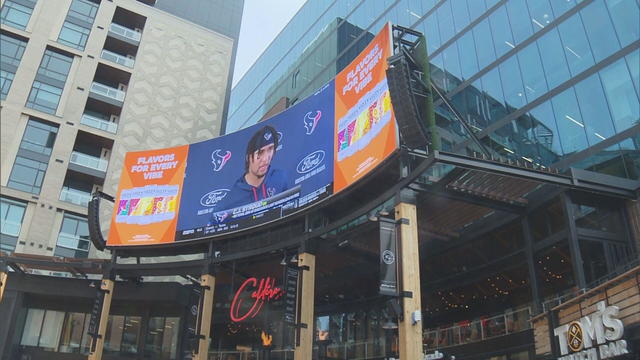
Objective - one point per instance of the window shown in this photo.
(73, 238)
(83, 10)
(74, 35)
(12, 51)
(39, 137)
(15, 14)
(37, 320)
(65, 332)
(11, 216)
(77, 27)
(44, 97)
(33, 156)
(47, 87)
(161, 341)
(122, 334)
(6, 79)
(74, 337)
(55, 65)
(27, 175)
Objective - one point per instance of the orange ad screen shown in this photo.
(364, 120)
(148, 199)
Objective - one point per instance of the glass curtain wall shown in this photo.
(544, 80)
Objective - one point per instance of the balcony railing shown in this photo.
(75, 196)
(117, 58)
(478, 330)
(11, 228)
(96, 122)
(89, 161)
(108, 91)
(125, 31)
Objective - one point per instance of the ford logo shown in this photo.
(310, 162)
(213, 197)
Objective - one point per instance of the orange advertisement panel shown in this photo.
(364, 120)
(148, 199)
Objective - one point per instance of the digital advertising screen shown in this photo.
(265, 172)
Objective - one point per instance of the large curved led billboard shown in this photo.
(265, 172)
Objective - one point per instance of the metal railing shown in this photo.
(478, 330)
(357, 350)
(117, 58)
(98, 123)
(89, 161)
(125, 31)
(625, 265)
(75, 196)
(108, 91)
(249, 355)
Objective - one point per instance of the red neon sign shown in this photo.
(264, 290)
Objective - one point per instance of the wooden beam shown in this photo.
(3, 283)
(410, 334)
(107, 286)
(304, 348)
(208, 283)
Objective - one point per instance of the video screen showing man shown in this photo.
(260, 180)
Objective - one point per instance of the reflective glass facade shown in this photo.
(554, 83)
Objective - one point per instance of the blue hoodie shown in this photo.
(275, 181)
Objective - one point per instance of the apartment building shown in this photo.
(83, 82)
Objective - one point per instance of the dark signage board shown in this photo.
(291, 294)
(94, 320)
(190, 338)
(388, 258)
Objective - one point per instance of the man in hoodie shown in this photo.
(260, 180)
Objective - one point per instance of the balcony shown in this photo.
(107, 94)
(98, 123)
(74, 196)
(108, 91)
(88, 161)
(124, 33)
(478, 330)
(117, 58)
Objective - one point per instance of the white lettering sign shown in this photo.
(603, 329)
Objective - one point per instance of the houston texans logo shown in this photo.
(310, 122)
(221, 216)
(218, 160)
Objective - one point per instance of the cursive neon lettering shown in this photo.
(263, 291)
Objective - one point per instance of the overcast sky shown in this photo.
(261, 22)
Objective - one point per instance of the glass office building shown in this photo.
(549, 82)
(544, 83)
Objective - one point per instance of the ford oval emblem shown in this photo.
(310, 162)
(213, 197)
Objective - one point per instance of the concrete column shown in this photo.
(208, 283)
(107, 286)
(306, 297)
(410, 334)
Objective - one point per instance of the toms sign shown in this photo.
(598, 334)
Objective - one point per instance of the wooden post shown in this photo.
(410, 334)
(208, 282)
(304, 348)
(3, 283)
(107, 286)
